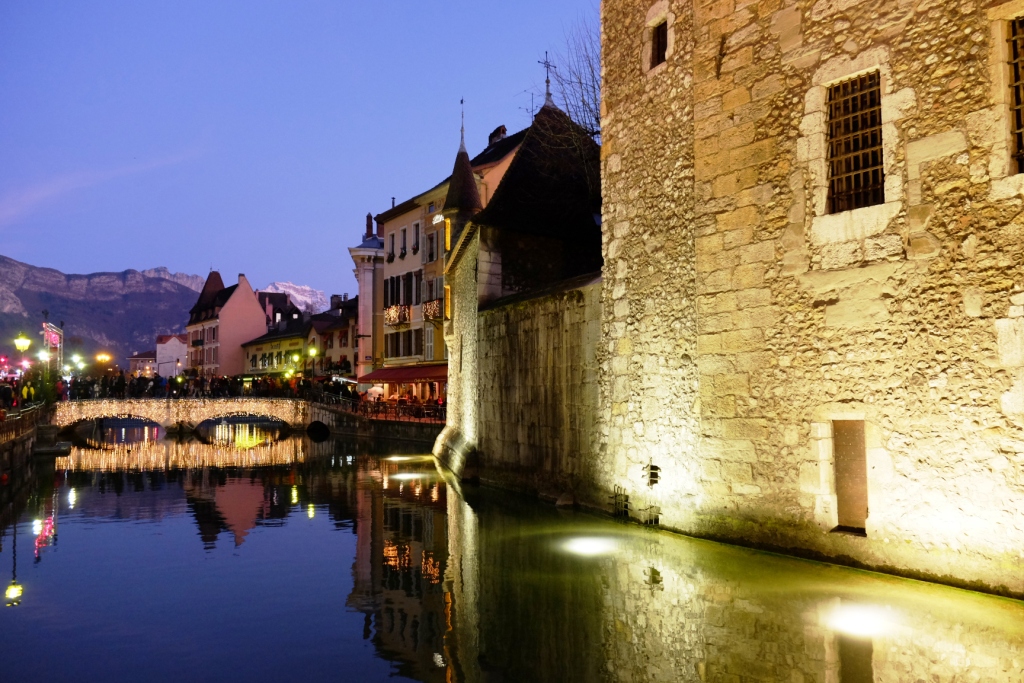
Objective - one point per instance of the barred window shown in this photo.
(659, 44)
(855, 175)
(1017, 86)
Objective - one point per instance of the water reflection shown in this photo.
(362, 563)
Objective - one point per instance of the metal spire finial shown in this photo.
(462, 130)
(548, 66)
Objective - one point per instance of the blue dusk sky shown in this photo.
(250, 136)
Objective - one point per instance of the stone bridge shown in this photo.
(185, 412)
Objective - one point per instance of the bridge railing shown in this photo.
(383, 410)
(374, 410)
(18, 424)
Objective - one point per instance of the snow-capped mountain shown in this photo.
(306, 298)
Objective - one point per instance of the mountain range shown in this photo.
(119, 313)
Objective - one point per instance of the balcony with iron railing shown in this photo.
(433, 309)
(398, 314)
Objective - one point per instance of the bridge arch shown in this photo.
(168, 413)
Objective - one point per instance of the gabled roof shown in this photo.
(213, 284)
(553, 185)
(394, 212)
(164, 338)
(498, 150)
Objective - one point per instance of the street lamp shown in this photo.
(21, 342)
(312, 362)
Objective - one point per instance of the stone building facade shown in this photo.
(758, 336)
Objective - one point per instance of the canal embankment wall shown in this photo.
(535, 393)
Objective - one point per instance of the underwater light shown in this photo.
(590, 546)
(862, 621)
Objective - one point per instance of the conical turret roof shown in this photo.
(463, 195)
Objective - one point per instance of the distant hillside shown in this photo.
(193, 282)
(121, 313)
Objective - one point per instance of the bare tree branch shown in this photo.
(577, 78)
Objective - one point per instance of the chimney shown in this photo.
(344, 297)
(392, 202)
(380, 230)
(369, 226)
(499, 133)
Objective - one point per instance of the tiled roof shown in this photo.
(552, 187)
(294, 328)
(164, 338)
(407, 205)
(145, 355)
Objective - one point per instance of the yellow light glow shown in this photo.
(312, 352)
(295, 358)
(80, 365)
(14, 592)
(72, 499)
(295, 495)
(411, 475)
(21, 342)
(862, 621)
(590, 546)
(103, 357)
(44, 356)
(311, 511)
(76, 359)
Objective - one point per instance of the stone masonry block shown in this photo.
(746, 217)
(759, 251)
(748, 276)
(738, 341)
(737, 383)
(745, 428)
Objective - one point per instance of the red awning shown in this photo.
(414, 373)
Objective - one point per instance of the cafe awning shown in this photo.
(406, 375)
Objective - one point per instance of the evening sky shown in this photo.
(247, 136)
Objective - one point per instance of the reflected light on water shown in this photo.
(311, 511)
(863, 621)
(295, 495)
(72, 498)
(37, 527)
(590, 546)
(412, 475)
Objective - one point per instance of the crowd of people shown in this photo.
(17, 394)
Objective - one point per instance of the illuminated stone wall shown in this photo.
(188, 411)
(740, 319)
(538, 400)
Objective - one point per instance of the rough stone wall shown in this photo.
(741, 319)
(458, 441)
(538, 390)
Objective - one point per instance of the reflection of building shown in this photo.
(401, 553)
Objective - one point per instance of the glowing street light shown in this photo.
(21, 342)
(76, 359)
(312, 361)
(44, 356)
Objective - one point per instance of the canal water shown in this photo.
(250, 555)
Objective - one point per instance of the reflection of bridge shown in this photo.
(186, 412)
